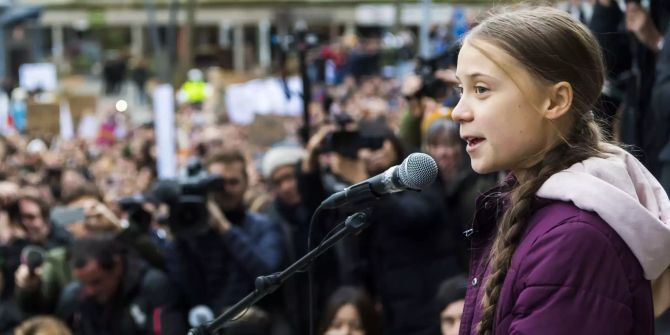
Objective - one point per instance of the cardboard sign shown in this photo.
(81, 105)
(267, 129)
(43, 119)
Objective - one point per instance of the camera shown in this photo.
(33, 257)
(186, 197)
(138, 217)
(432, 86)
(347, 142)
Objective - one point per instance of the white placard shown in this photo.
(88, 127)
(165, 131)
(375, 14)
(38, 75)
(263, 96)
(66, 124)
(4, 113)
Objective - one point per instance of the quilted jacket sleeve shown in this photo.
(571, 281)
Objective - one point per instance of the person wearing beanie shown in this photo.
(280, 157)
(279, 169)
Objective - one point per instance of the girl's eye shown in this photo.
(459, 90)
(481, 89)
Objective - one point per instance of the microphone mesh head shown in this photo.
(417, 171)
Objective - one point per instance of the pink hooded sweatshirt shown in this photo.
(626, 196)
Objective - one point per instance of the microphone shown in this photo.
(33, 257)
(200, 315)
(417, 171)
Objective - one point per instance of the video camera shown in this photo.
(432, 86)
(186, 198)
(138, 217)
(347, 142)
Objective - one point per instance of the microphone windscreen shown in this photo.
(199, 315)
(417, 171)
(32, 256)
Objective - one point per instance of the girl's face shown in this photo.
(347, 321)
(501, 118)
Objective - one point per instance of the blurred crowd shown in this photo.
(92, 241)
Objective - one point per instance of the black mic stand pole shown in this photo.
(268, 284)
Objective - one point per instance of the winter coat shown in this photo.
(600, 231)
(219, 270)
(146, 304)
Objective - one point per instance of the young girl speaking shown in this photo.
(568, 243)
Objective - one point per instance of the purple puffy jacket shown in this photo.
(571, 274)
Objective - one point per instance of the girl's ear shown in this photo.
(560, 100)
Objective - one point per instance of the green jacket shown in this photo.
(56, 274)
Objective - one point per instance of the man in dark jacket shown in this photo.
(406, 251)
(30, 213)
(410, 251)
(117, 294)
(290, 211)
(660, 102)
(632, 72)
(218, 267)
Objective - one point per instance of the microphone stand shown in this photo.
(265, 285)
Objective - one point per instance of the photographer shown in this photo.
(402, 256)
(38, 289)
(631, 37)
(289, 209)
(429, 93)
(143, 234)
(659, 108)
(217, 265)
(29, 222)
(10, 314)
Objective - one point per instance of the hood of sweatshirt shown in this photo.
(625, 195)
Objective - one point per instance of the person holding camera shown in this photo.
(10, 314)
(402, 256)
(429, 94)
(30, 226)
(288, 208)
(641, 24)
(645, 99)
(217, 267)
(39, 284)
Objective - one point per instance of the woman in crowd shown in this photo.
(350, 311)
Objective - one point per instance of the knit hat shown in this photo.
(278, 157)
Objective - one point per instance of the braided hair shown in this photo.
(553, 47)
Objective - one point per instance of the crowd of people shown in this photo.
(92, 241)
